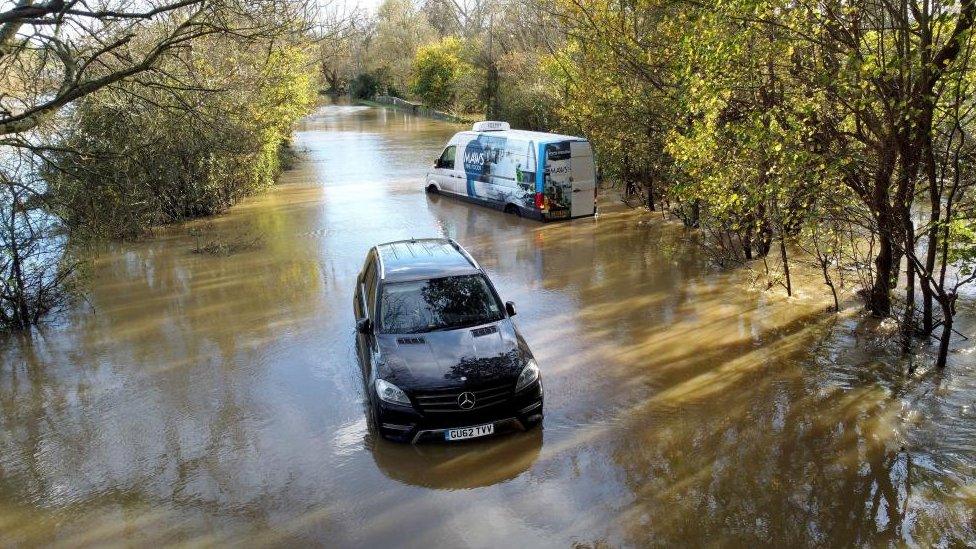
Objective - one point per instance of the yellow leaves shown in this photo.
(436, 70)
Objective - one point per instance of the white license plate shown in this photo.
(470, 432)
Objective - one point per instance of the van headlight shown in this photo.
(529, 375)
(389, 392)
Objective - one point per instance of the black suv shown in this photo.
(441, 357)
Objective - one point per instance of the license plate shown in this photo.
(559, 214)
(470, 432)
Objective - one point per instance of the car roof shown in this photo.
(422, 258)
(539, 137)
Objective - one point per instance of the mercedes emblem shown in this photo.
(466, 400)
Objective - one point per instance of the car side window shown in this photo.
(446, 161)
(370, 283)
(369, 287)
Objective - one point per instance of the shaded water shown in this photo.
(212, 399)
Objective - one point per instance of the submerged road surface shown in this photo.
(216, 398)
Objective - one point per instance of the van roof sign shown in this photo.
(491, 126)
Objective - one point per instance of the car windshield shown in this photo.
(445, 303)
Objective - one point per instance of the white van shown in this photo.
(533, 174)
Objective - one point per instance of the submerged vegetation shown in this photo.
(117, 119)
(167, 153)
(838, 131)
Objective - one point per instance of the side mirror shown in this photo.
(364, 325)
(510, 308)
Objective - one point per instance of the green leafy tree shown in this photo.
(437, 69)
(128, 163)
(767, 122)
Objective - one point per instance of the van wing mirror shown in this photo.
(364, 325)
(510, 308)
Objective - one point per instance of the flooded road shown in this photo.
(211, 399)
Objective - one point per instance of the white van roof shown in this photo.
(538, 137)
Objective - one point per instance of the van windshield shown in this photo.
(447, 303)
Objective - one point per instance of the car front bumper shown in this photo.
(405, 424)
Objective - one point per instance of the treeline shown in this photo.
(842, 128)
(477, 57)
(129, 116)
(837, 133)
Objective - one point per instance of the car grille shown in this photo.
(447, 401)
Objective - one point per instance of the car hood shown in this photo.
(451, 359)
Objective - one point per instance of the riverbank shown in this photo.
(418, 109)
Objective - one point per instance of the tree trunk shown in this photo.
(940, 361)
(880, 304)
(628, 184)
(21, 311)
(927, 304)
(747, 242)
(908, 321)
(931, 252)
(880, 298)
(650, 191)
(786, 264)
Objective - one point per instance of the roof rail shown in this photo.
(464, 253)
(379, 259)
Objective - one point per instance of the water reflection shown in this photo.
(472, 464)
(218, 399)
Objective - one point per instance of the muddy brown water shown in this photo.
(206, 399)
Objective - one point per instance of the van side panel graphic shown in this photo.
(500, 169)
(558, 176)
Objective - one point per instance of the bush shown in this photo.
(436, 72)
(143, 155)
(364, 86)
(526, 96)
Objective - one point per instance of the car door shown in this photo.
(365, 301)
(444, 174)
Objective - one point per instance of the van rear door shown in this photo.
(583, 178)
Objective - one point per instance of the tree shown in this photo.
(239, 101)
(400, 30)
(781, 121)
(436, 71)
(340, 51)
(59, 53)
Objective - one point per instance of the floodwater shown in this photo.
(216, 398)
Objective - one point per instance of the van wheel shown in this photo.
(513, 209)
(432, 189)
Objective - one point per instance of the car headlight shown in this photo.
(529, 375)
(389, 392)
